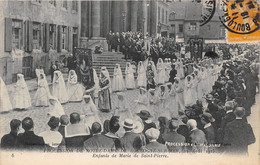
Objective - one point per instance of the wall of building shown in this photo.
(43, 13)
(212, 30)
(191, 33)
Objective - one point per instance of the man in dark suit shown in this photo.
(208, 129)
(238, 134)
(97, 143)
(28, 140)
(197, 137)
(76, 133)
(153, 146)
(64, 121)
(172, 139)
(145, 115)
(9, 141)
(111, 139)
(130, 139)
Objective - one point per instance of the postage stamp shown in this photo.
(241, 18)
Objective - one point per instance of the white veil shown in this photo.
(58, 77)
(106, 74)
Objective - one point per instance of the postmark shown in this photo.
(208, 11)
(240, 16)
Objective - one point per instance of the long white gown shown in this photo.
(164, 101)
(59, 89)
(167, 70)
(141, 78)
(75, 90)
(179, 89)
(118, 83)
(90, 111)
(142, 101)
(96, 80)
(5, 104)
(160, 71)
(172, 104)
(188, 100)
(41, 97)
(21, 98)
(194, 90)
(55, 108)
(154, 71)
(154, 102)
(129, 76)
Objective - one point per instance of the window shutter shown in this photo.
(8, 34)
(70, 38)
(67, 38)
(47, 37)
(59, 39)
(29, 36)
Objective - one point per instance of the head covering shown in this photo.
(139, 127)
(160, 64)
(105, 72)
(21, 81)
(207, 117)
(144, 114)
(90, 107)
(56, 109)
(152, 133)
(72, 76)
(128, 123)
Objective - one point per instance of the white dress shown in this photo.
(75, 90)
(164, 101)
(142, 102)
(172, 105)
(41, 96)
(21, 98)
(90, 111)
(154, 71)
(188, 93)
(55, 108)
(154, 103)
(179, 96)
(160, 72)
(194, 90)
(141, 78)
(96, 80)
(118, 83)
(59, 89)
(167, 71)
(5, 104)
(129, 77)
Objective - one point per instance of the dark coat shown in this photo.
(9, 141)
(113, 140)
(184, 131)
(237, 136)
(129, 141)
(154, 146)
(62, 130)
(29, 141)
(98, 143)
(210, 134)
(172, 138)
(173, 73)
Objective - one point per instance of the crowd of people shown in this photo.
(182, 106)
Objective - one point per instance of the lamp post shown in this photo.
(124, 17)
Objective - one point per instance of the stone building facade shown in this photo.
(36, 33)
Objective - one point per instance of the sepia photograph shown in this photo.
(129, 81)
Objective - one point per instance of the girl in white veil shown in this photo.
(178, 87)
(129, 76)
(55, 108)
(75, 90)
(194, 87)
(142, 101)
(167, 69)
(118, 81)
(90, 111)
(160, 72)
(21, 98)
(141, 78)
(5, 104)
(188, 100)
(163, 93)
(59, 89)
(42, 95)
(154, 70)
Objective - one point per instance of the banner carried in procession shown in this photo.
(196, 47)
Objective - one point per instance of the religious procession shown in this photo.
(134, 92)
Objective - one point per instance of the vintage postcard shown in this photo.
(129, 82)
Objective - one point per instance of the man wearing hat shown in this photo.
(145, 115)
(212, 108)
(130, 139)
(238, 134)
(208, 129)
(172, 139)
(153, 146)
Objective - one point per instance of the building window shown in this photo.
(53, 2)
(172, 16)
(75, 6)
(180, 28)
(36, 35)
(16, 34)
(52, 36)
(63, 37)
(193, 26)
(65, 4)
(75, 37)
